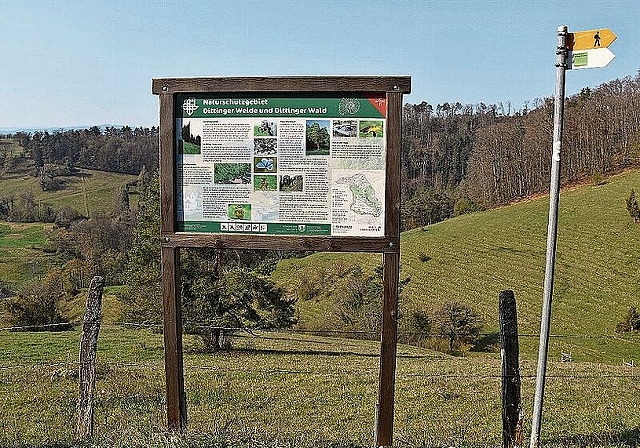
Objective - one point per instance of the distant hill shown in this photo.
(473, 257)
(89, 191)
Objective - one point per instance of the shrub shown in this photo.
(597, 179)
(457, 322)
(630, 322)
(65, 216)
(466, 205)
(36, 305)
(414, 326)
(5, 290)
(359, 308)
(632, 206)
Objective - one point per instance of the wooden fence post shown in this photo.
(88, 349)
(512, 414)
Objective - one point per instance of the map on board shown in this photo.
(364, 200)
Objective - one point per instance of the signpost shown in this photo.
(589, 49)
(298, 163)
(590, 40)
(589, 58)
(588, 55)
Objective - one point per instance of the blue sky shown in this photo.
(68, 63)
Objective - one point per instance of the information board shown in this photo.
(281, 164)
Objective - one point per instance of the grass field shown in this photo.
(25, 252)
(473, 257)
(89, 192)
(284, 390)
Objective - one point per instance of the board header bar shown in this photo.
(399, 84)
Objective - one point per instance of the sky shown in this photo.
(81, 63)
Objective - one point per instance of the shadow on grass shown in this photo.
(488, 343)
(313, 353)
(303, 352)
(209, 441)
(250, 349)
(625, 438)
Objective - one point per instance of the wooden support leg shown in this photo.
(176, 398)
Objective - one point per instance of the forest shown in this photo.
(458, 158)
(120, 150)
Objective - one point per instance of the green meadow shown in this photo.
(25, 252)
(89, 191)
(473, 257)
(291, 390)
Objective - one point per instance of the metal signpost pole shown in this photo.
(554, 194)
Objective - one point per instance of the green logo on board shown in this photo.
(189, 106)
(580, 59)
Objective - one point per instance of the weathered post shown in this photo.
(88, 349)
(512, 414)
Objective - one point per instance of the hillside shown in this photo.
(473, 257)
(89, 191)
(25, 250)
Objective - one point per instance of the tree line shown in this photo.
(456, 158)
(483, 156)
(121, 150)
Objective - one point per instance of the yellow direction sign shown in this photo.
(590, 40)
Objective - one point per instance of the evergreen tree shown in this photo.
(224, 291)
(142, 294)
(632, 206)
(221, 290)
(426, 206)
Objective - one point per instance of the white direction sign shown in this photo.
(595, 58)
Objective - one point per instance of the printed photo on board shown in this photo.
(265, 164)
(232, 173)
(265, 146)
(371, 128)
(265, 128)
(345, 128)
(291, 183)
(191, 140)
(263, 182)
(239, 211)
(317, 138)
